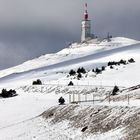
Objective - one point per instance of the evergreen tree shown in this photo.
(70, 83)
(83, 70)
(111, 67)
(72, 72)
(131, 60)
(115, 90)
(61, 100)
(37, 82)
(79, 76)
(97, 71)
(103, 68)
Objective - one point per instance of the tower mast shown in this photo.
(86, 26)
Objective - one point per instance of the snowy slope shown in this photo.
(68, 54)
(20, 117)
(55, 66)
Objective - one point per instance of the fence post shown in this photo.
(109, 98)
(93, 98)
(69, 98)
(73, 97)
(128, 99)
(79, 98)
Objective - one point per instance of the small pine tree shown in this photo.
(72, 72)
(61, 100)
(4, 93)
(79, 76)
(131, 60)
(103, 68)
(83, 70)
(70, 83)
(93, 70)
(115, 90)
(109, 63)
(37, 82)
(111, 67)
(97, 71)
(79, 70)
(122, 62)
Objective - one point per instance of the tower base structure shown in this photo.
(86, 30)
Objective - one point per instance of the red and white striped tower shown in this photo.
(86, 26)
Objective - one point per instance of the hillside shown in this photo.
(35, 113)
(55, 66)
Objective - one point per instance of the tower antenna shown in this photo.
(86, 12)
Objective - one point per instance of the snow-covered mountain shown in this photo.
(55, 66)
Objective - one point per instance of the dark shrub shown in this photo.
(72, 72)
(70, 83)
(115, 90)
(93, 70)
(111, 67)
(79, 76)
(117, 63)
(6, 94)
(131, 60)
(122, 62)
(103, 68)
(37, 82)
(61, 100)
(81, 70)
(111, 63)
(98, 71)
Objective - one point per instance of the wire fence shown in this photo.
(92, 99)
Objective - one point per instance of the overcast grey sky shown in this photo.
(30, 28)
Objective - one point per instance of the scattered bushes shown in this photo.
(124, 62)
(37, 82)
(110, 64)
(6, 94)
(61, 100)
